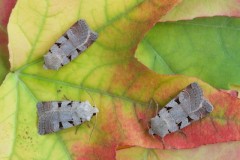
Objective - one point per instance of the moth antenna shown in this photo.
(183, 133)
(64, 96)
(88, 125)
(95, 124)
(213, 124)
(163, 142)
(156, 105)
(135, 109)
(77, 129)
(91, 98)
(165, 146)
(149, 105)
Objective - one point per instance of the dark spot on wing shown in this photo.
(59, 104)
(50, 50)
(168, 108)
(78, 50)
(60, 125)
(70, 103)
(58, 44)
(69, 57)
(66, 36)
(94, 114)
(71, 122)
(179, 125)
(177, 100)
(189, 119)
(169, 131)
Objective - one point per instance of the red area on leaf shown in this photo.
(105, 137)
(233, 93)
(220, 126)
(5, 11)
(226, 100)
(89, 152)
(3, 42)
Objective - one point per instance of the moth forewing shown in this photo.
(188, 106)
(57, 115)
(73, 42)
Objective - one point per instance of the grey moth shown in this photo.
(73, 42)
(57, 115)
(188, 106)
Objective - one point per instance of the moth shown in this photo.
(73, 42)
(188, 106)
(57, 115)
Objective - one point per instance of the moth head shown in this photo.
(150, 131)
(52, 61)
(86, 111)
(95, 111)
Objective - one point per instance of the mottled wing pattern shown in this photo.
(76, 40)
(195, 94)
(58, 115)
(188, 106)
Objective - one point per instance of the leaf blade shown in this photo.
(203, 47)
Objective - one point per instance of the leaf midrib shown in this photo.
(82, 87)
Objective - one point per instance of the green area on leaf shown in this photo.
(207, 48)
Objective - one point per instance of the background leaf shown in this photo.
(205, 8)
(5, 10)
(206, 48)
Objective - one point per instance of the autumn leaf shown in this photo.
(119, 85)
(206, 48)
